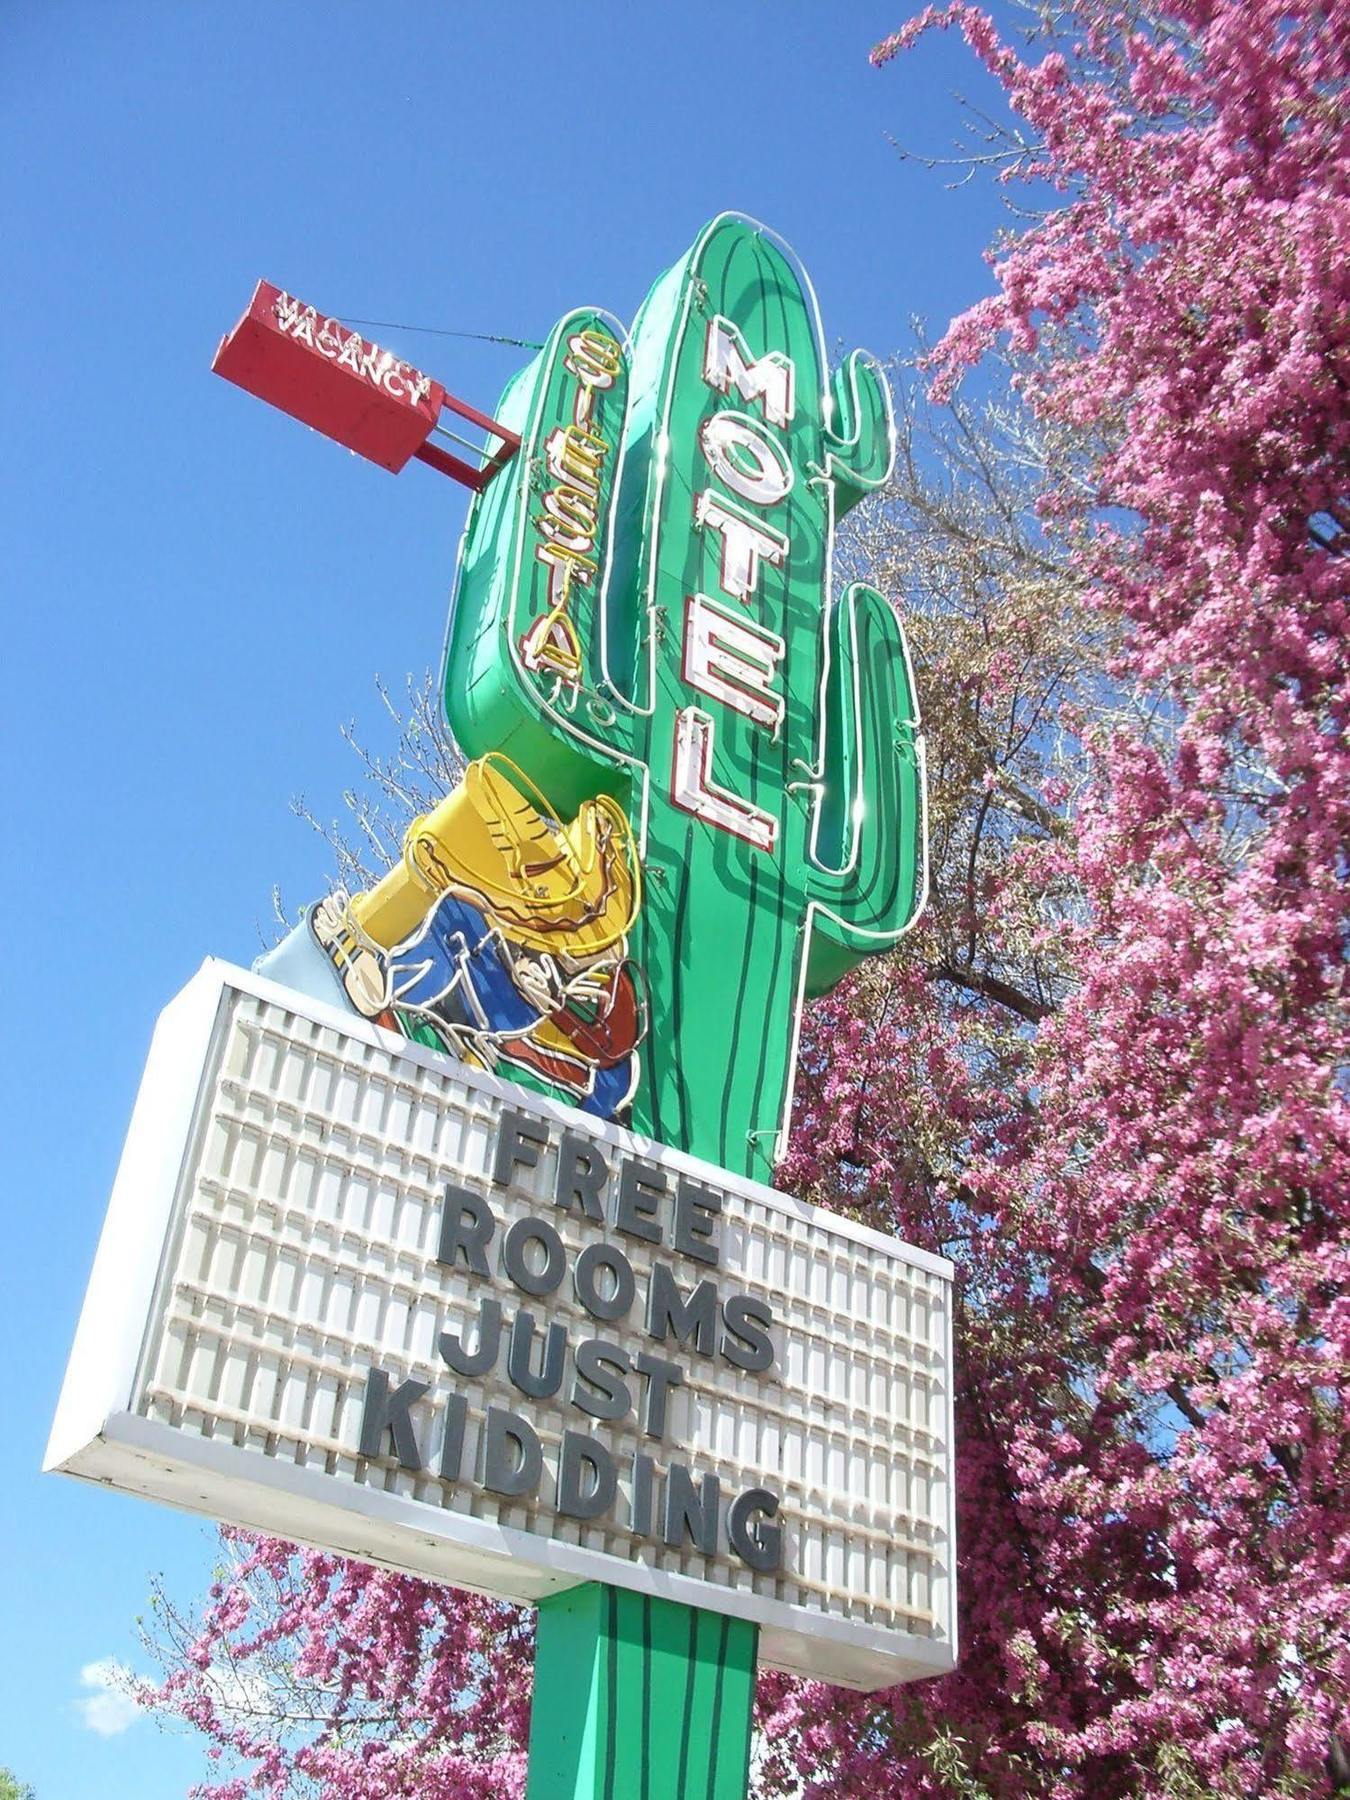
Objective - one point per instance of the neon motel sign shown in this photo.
(443, 1238)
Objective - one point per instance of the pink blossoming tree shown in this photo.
(1107, 1073)
(1148, 1192)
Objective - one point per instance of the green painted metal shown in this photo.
(637, 1698)
(733, 933)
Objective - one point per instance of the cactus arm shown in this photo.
(868, 851)
(860, 433)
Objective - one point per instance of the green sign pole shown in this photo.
(635, 1696)
(644, 612)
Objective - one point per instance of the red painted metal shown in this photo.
(336, 381)
(459, 470)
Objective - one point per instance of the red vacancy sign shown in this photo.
(316, 370)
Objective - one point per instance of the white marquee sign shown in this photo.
(360, 1297)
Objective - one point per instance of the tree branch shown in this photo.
(991, 987)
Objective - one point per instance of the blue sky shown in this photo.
(198, 592)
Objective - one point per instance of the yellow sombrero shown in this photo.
(574, 887)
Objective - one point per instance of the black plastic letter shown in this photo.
(538, 1231)
(641, 1521)
(690, 1513)
(508, 1470)
(641, 1191)
(519, 1140)
(389, 1412)
(602, 1366)
(467, 1225)
(668, 1310)
(452, 1440)
(662, 1376)
(521, 1375)
(746, 1342)
(695, 1229)
(588, 1265)
(757, 1543)
(582, 1173)
(479, 1361)
(597, 1498)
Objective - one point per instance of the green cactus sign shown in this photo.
(644, 612)
(696, 787)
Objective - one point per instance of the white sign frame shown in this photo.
(100, 1436)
